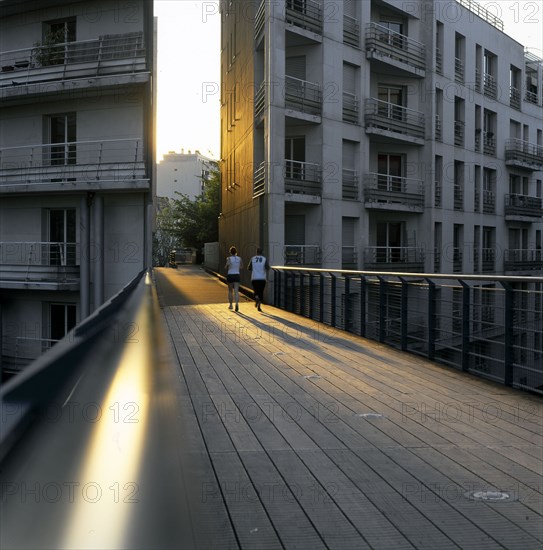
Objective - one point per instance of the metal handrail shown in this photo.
(100, 395)
(58, 253)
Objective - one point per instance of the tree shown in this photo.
(186, 223)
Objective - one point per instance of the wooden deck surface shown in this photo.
(308, 437)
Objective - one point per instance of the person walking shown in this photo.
(258, 266)
(233, 267)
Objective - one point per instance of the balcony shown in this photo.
(303, 96)
(302, 254)
(350, 108)
(39, 265)
(394, 258)
(303, 181)
(78, 165)
(23, 70)
(518, 259)
(523, 208)
(304, 14)
(395, 50)
(523, 154)
(386, 192)
(393, 121)
(351, 31)
(349, 184)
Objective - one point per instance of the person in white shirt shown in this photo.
(233, 267)
(258, 266)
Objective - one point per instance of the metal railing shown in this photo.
(490, 88)
(303, 95)
(489, 143)
(19, 351)
(459, 130)
(260, 19)
(514, 97)
(393, 190)
(489, 202)
(524, 152)
(259, 181)
(302, 254)
(39, 253)
(303, 177)
(306, 14)
(382, 115)
(349, 257)
(393, 255)
(521, 259)
(439, 61)
(260, 100)
(485, 325)
(483, 13)
(351, 31)
(113, 161)
(383, 43)
(459, 70)
(94, 395)
(106, 55)
(349, 184)
(438, 132)
(523, 205)
(350, 108)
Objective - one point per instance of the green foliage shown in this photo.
(186, 223)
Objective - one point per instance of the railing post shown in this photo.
(310, 295)
(362, 305)
(333, 286)
(347, 304)
(382, 308)
(465, 325)
(508, 334)
(403, 315)
(321, 298)
(431, 313)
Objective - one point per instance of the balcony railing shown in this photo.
(303, 96)
(438, 129)
(259, 181)
(111, 162)
(349, 184)
(438, 186)
(459, 70)
(489, 143)
(303, 177)
(490, 88)
(383, 43)
(489, 259)
(514, 97)
(107, 55)
(459, 129)
(260, 100)
(519, 259)
(482, 12)
(523, 205)
(530, 97)
(19, 351)
(302, 254)
(351, 31)
(381, 115)
(402, 257)
(458, 256)
(39, 253)
(306, 14)
(479, 324)
(350, 108)
(489, 202)
(458, 196)
(349, 257)
(260, 19)
(385, 190)
(524, 154)
(439, 61)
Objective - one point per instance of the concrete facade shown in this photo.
(77, 163)
(380, 135)
(184, 173)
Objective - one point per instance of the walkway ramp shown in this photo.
(308, 437)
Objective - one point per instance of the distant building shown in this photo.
(184, 173)
(380, 135)
(77, 164)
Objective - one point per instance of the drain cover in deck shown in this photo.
(492, 495)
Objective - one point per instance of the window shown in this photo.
(62, 237)
(62, 319)
(61, 131)
(391, 100)
(295, 157)
(459, 57)
(390, 172)
(390, 239)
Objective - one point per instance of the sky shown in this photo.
(188, 104)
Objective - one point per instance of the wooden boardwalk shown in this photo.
(308, 437)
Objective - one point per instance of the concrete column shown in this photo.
(84, 258)
(99, 252)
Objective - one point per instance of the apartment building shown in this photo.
(380, 135)
(76, 163)
(184, 173)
